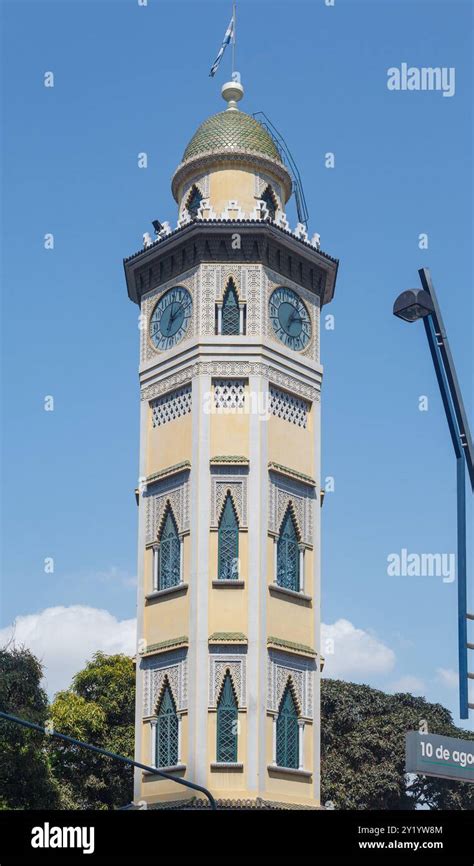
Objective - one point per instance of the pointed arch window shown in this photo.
(288, 555)
(230, 311)
(169, 554)
(228, 542)
(227, 714)
(287, 734)
(194, 202)
(167, 731)
(270, 200)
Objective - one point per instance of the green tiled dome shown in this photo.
(231, 130)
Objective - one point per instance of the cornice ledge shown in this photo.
(228, 637)
(290, 646)
(184, 466)
(230, 458)
(165, 645)
(291, 473)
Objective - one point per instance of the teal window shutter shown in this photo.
(227, 714)
(228, 542)
(287, 751)
(167, 731)
(194, 202)
(230, 311)
(170, 554)
(288, 557)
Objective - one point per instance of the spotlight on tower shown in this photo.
(157, 226)
(412, 305)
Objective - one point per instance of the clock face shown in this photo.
(290, 318)
(170, 318)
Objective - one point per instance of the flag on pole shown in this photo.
(229, 35)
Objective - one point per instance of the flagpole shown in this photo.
(234, 14)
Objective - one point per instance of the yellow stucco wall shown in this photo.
(169, 443)
(229, 433)
(290, 445)
(230, 184)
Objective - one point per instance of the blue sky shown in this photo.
(130, 79)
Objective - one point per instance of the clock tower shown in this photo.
(229, 542)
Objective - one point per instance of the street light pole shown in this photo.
(26, 724)
(411, 306)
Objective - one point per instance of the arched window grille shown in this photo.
(227, 715)
(230, 311)
(169, 554)
(228, 542)
(270, 200)
(194, 202)
(288, 559)
(287, 736)
(167, 727)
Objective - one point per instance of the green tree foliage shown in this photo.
(99, 709)
(363, 750)
(25, 775)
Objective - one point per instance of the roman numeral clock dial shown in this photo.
(290, 318)
(170, 318)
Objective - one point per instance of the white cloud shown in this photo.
(64, 638)
(352, 653)
(447, 677)
(408, 683)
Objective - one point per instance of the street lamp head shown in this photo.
(412, 305)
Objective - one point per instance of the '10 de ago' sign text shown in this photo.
(436, 755)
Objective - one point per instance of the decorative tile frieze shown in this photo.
(171, 667)
(283, 668)
(231, 369)
(172, 405)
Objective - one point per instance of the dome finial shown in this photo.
(232, 92)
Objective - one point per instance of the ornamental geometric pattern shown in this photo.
(173, 405)
(228, 369)
(283, 492)
(280, 668)
(209, 288)
(255, 301)
(288, 407)
(225, 479)
(170, 667)
(229, 393)
(172, 492)
(222, 659)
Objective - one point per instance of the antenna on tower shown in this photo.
(286, 155)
